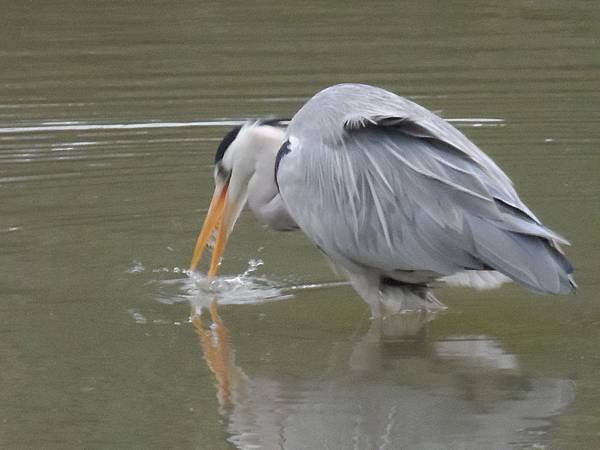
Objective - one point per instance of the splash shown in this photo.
(199, 291)
(173, 285)
(247, 288)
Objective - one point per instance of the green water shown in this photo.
(98, 221)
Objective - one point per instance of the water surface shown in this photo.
(110, 115)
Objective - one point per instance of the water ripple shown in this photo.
(76, 126)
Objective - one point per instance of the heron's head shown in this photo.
(235, 163)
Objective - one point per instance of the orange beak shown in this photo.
(216, 219)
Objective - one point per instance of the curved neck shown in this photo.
(262, 143)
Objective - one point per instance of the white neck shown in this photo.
(254, 156)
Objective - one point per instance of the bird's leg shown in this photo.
(367, 286)
(375, 307)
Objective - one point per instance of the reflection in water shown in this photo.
(393, 387)
(215, 347)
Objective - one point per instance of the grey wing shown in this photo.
(394, 194)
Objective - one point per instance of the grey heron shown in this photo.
(394, 196)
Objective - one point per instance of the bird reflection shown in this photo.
(391, 386)
(214, 341)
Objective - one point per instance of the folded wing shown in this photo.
(403, 191)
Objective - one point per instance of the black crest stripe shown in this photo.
(283, 150)
(226, 142)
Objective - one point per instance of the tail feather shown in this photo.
(533, 261)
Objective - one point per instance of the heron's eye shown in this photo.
(221, 172)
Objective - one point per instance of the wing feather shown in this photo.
(394, 188)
